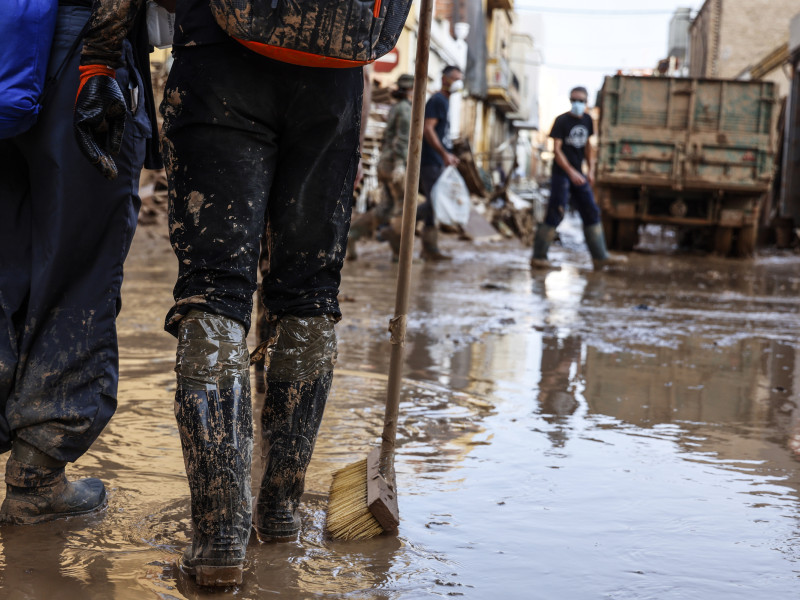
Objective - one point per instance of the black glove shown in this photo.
(99, 118)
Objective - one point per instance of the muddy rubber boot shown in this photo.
(289, 424)
(216, 438)
(391, 234)
(596, 241)
(430, 246)
(363, 226)
(545, 234)
(215, 425)
(37, 489)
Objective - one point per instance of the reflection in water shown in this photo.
(580, 435)
(563, 290)
(56, 560)
(558, 394)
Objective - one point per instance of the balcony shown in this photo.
(503, 85)
(500, 4)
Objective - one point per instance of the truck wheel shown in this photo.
(723, 240)
(746, 241)
(627, 235)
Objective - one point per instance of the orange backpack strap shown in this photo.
(298, 57)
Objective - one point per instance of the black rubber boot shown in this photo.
(37, 489)
(430, 245)
(289, 424)
(216, 434)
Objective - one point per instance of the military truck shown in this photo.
(696, 154)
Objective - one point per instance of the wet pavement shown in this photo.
(570, 434)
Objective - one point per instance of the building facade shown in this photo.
(728, 37)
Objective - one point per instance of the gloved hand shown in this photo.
(99, 117)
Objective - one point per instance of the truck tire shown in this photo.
(723, 240)
(627, 235)
(746, 241)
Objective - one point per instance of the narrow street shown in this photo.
(567, 434)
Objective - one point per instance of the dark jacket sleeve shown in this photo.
(110, 23)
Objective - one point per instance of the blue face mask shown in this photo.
(578, 108)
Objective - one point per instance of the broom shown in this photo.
(363, 496)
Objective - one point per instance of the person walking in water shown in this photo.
(385, 216)
(258, 137)
(65, 229)
(571, 135)
(437, 154)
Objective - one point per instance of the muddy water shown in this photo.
(568, 435)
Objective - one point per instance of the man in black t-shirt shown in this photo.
(571, 132)
(436, 155)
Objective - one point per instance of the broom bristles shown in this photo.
(349, 517)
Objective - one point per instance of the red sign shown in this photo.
(387, 62)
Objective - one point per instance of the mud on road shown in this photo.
(570, 434)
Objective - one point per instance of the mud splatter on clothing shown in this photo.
(252, 153)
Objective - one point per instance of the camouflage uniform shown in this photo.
(393, 159)
(385, 217)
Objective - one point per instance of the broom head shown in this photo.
(362, 503)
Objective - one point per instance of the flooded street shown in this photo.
(570, 434)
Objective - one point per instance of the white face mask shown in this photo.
(578, 108)
(456, 86)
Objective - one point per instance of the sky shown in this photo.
(581, 41)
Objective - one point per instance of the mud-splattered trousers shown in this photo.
(64, 234)
(580, 197)
(254, 145)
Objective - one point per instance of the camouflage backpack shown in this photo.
(315, 33)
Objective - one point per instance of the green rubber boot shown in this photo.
(596, 241)
(545, 235)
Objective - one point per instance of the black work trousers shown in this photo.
(254, 145)
(64, 234)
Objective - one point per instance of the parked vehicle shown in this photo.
(697, 154)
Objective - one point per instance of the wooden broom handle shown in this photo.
(397, 325)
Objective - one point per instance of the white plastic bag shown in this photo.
(450, 197)
(160, 25)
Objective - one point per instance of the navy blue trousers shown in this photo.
(64, 234)
(254, 145)
(428, 176)
(580, 197)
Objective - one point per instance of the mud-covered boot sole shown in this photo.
(542, 264)
(277, 530)
(11, 519)
(435, 256)
(613, 262)
(211, 576)
(275, 537)
(67, 500)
